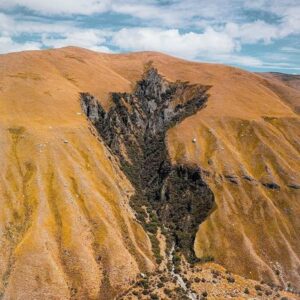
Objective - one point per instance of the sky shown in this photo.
(257, 35)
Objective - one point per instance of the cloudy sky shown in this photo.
(260, 35)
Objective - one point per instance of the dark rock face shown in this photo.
(271, 185)
(134, 129)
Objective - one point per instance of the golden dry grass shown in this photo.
(65, 223)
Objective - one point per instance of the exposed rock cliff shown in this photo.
(134, 129)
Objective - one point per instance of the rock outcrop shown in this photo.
(134, 129)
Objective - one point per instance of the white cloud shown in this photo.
(13, 26)
(291, 21)
(251, 33)
(290, 49)
(59, 6)
(183, 14)
(254, 32)
(8, 45)
(171, 41)
(242, 60)
(287, 13)
(176, 12)
(91, 39)
(49, 35)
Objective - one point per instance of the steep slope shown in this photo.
(248, 142)
(135, 130)
(292, 81)
(286, 86)
(67, 229)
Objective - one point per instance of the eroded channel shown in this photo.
(173, 197)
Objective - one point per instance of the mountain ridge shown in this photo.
(61, 186)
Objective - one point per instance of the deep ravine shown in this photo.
(176, 197)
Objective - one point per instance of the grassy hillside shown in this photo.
(66, 226)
